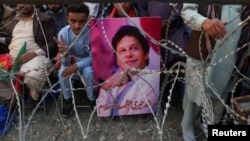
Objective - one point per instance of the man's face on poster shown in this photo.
(130, 54)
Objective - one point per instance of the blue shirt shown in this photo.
(81, 51)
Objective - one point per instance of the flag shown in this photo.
(5, 61)
(16, 67)
(16, 64)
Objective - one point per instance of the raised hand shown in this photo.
(62, 47)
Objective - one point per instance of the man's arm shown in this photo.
(214, 27)
(191, 16)
(117, 79)
(86, 61)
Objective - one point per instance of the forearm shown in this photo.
(40, 52)
(87, 61)
(117, 79)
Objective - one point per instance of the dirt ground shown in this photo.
(84, 125)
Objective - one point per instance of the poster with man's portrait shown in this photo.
(126, 59)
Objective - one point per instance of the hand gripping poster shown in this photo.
(126, 59)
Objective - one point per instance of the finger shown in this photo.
(216, 32)
(223, 30)
(56, 40)
(58, 55)
(21, 58)
(220, 27)
(222, 35)
(212, 33)
(64, 74)
(62, 40)
(224, 23)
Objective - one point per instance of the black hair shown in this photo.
(128, 30)
(78, 8)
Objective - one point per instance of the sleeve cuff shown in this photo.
(200, 21)
(40, 52)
